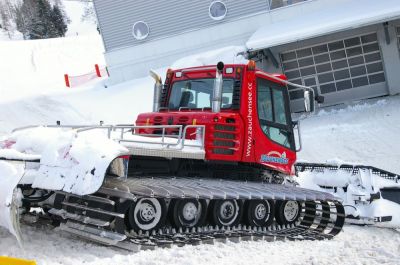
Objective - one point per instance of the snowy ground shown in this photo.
(367, 133)
(356, 245)
(32, 92)
(37, 67)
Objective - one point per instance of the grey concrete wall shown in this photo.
(164, 18)
(128, 62)
(133, 62)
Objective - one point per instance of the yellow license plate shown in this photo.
(15, 261)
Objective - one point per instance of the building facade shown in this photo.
(345, 49)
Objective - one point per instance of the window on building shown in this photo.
(335, 66)
(217, 10)
(140, 30)
(280, 3)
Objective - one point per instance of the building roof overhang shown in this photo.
(334, 18)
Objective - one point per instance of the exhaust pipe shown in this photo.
(157, 90)
(217, 91)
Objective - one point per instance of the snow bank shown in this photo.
(45, 109)
(365, 133)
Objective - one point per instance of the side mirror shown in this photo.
(320, 99)
(309, 102)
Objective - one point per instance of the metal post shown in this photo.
(162, 137)
(157, 90)
(122, 133)
(217, 91)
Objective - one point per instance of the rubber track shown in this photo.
(310, 227)
(322, 216)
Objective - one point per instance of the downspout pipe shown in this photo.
(217, 91)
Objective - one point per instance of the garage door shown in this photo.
(336, 68)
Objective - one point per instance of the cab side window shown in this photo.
(279, 106)
(272, 112)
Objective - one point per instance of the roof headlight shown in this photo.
(229, 70)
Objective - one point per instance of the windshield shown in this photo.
(197, 94)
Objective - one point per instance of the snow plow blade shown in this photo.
(371, 195)
(52, 159)
(11, 174)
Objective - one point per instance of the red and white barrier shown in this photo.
(74, 81)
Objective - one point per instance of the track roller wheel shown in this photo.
(259, 212)
(147, 214)
(287, 212)
(225, 212)
(187, 213)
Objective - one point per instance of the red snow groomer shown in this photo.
(249, 141)
(213, 161)
(245, 112)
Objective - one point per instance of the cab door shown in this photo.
(275, 144)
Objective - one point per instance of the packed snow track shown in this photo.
(356, 245)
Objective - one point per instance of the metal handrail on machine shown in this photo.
(180, 143)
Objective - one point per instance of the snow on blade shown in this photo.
(69, 161)
(10, 174)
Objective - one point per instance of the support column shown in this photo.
(391, 57)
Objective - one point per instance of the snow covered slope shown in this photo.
(355, 246)
(30, 71)
(37, 67)
(366, 132)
